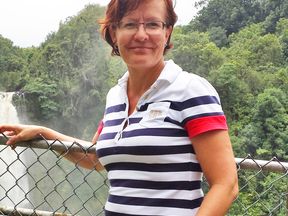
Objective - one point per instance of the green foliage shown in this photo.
(233, 15)
(41, 98)
(232, 88)
(230, 15)
(194, 52)
(218, 36)
(12, 65)
(266, 135)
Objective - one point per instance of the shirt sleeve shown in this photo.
(202, 111)
(205, 124)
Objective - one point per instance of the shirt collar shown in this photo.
(122, 82)
(170, 72)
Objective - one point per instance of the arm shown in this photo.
(214, 152)
(20, 133)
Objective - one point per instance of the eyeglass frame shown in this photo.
(136, 27)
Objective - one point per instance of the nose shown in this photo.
(141, 33)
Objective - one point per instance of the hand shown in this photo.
(18, 133)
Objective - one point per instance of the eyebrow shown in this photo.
(152, 18)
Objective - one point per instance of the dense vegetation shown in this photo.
(240, 46)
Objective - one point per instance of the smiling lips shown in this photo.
(140, 49)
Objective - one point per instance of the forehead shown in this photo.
(148, 9)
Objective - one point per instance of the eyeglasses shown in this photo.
(151, 27)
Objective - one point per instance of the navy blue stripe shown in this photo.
(149, 167)
(143, 107)
(115, 122)
(168, 119)
(134, 120)
(109, 213)
(116, 108)
(201, 116)
(177, 203)
(107, 136)
(146, 150)
(165, 132)
(192, 102)
(164, 185)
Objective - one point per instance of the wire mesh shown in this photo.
(36, 180)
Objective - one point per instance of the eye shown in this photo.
(154, 25)
(128, 25)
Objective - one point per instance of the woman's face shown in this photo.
(142, 45)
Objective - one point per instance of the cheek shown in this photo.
(161, 43)
(122, 41)
(159, 40)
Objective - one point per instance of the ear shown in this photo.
(168, 32)
(112, 32)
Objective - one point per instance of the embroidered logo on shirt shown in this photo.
(154, 114)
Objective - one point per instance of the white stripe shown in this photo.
(207, 108)
(155, 159)
(146, 141)
(155, 141)
(152, 176)
(154, 194)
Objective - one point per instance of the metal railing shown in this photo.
(36, 180)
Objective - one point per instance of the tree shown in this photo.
(218, 36)
(266, 136)
(282, 33)
(230, 15)
(233, 91)
(195, 53)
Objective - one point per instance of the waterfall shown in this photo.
(13, 181)
(8, 113)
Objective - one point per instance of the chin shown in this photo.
(140, 60)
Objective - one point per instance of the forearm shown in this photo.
(51, 134)
(218, 200)
(88, 161)
(19, 133)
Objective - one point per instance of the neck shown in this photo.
(140, 79)
(139, 82)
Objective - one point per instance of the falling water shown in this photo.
(8, 113)
(13, 182)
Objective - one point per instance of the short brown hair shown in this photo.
(117, 9)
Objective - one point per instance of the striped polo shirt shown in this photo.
(151, 164)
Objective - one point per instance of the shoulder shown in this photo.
(114, 91)
(194, 85)
(119, 89)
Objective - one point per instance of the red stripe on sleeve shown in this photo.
(204, 124)
(100, 127)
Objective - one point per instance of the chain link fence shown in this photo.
(36, 180)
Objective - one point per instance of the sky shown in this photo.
(28, 22)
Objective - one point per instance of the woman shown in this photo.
(162, 127)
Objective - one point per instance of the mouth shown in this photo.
(140, 47)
